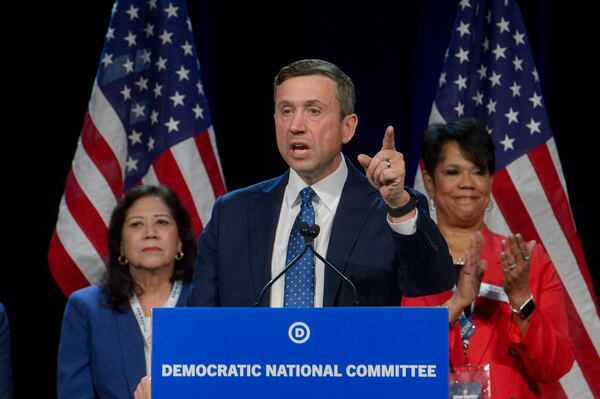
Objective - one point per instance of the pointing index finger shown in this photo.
(388, 139)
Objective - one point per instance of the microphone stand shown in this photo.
(340, 275)
(281, 273)
(310, 233)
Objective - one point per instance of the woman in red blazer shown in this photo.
(517, 326)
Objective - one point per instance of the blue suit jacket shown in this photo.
(5, 358)
(235, 248)
(101, 352)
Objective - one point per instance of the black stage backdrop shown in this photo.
(392, 50)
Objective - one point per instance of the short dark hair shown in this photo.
(473, 139)
(117, 281)
(344, 92)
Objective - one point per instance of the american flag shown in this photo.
(489, 74)
(147, 122)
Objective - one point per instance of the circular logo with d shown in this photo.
(299, 332)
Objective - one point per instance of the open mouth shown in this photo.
(299, 149)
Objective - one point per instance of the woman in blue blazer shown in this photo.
(5, 359)
(106, 332)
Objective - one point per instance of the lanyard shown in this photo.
(145, 323)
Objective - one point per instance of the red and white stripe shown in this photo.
(531, 198)
(78, 249)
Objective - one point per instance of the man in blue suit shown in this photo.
(375, 230)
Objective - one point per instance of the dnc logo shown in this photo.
(299, 332)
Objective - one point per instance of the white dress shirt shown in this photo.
(328, 193)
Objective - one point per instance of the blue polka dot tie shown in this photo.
(300, 279)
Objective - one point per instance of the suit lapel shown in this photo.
(354, 208)
(132, 343)
(132, 347)
(263, 214)
(181, 301)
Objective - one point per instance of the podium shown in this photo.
(300, 353)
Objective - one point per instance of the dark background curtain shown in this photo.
(393, 50)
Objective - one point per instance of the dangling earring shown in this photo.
(490, 206)
(432, 205)
(122, 260)
(179, 255)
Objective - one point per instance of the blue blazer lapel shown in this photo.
(357, 200)
(263, 214)
(132, 348)
(183, 296)
(132, 343)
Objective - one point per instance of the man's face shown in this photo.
(309, 131)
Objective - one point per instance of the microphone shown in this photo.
(310, 233)
(285, 269)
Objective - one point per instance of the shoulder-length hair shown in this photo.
(118, 282)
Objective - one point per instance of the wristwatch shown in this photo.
(403, 210)
(526, 309)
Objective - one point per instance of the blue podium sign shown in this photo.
(300, 353)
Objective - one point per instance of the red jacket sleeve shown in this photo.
(426, 300)
(545, 348)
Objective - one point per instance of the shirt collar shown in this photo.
(328, 190)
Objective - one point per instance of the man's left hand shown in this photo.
(386, 171)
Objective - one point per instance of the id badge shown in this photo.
(469, 382)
